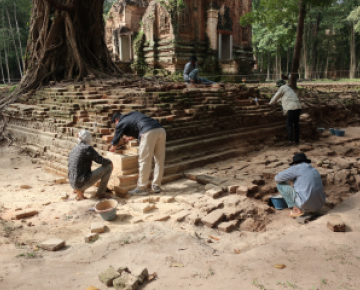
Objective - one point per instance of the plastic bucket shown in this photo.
(332, 131)
(279, 202)
(321, 130)
(339, 132)
(107, 209)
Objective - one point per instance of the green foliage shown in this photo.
(172, 6)
(12, 89)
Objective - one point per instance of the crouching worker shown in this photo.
(152, 139)
(79, 167)
(307, 195)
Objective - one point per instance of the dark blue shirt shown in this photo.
(134, 124)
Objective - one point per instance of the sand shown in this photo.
(315, 257)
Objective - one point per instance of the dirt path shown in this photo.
(315, 257)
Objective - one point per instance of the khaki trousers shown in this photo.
(152, 145)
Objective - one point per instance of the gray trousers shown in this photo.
(103, 173)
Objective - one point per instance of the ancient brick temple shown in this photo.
(144, 31)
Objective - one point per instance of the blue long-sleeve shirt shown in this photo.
(134, 124)
(307, 184)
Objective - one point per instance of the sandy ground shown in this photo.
(315, 257)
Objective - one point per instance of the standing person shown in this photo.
(292, 107)
(152, 138)
(308, 191)
(79, 167)
(191, 73)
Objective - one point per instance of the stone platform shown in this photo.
(203, 124)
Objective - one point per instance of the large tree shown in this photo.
(66, 42)
(274, 12)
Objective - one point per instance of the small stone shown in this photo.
(242, 190)
(166, 199)
(142, 207)
(91, 237)
(64, 195)
(25, 186)
(335, 224)
(126, 281)
(52, 244)
(213, 218)
(29, 224)
(214, 192)
(108, 276)
(228, 227)
(97, 227)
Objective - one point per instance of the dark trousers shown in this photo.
(293, 118)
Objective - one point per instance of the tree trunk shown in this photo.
(278, 63)
(306, 41)
(13, 40)
(5, 49)
(18, 34)
(287, 62)
(314, 45)
(268, 67)
(326, 68)
(297, 48)
(352, 52)
(66, 42)
(1, 66)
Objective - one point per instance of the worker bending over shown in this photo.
(292, 108)
(152, 139)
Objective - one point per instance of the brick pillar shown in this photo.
(211, 29)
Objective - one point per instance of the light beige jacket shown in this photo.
(289, 99)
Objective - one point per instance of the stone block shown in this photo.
(214, 192)
(160, 217)
(269, 173)
(126, 281)
(232, 188)
(180, 215)
(52, 244)
(91, 237)
(108, 276)
(167, 199)
(335, 224)
(193, 219)
(242, 190)
(233, 201)
(228, 227)
(25, 213)
(343, 164)
(97, 227)
(142, 207)
(305, 148)
(141, 274)
(213, 218)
